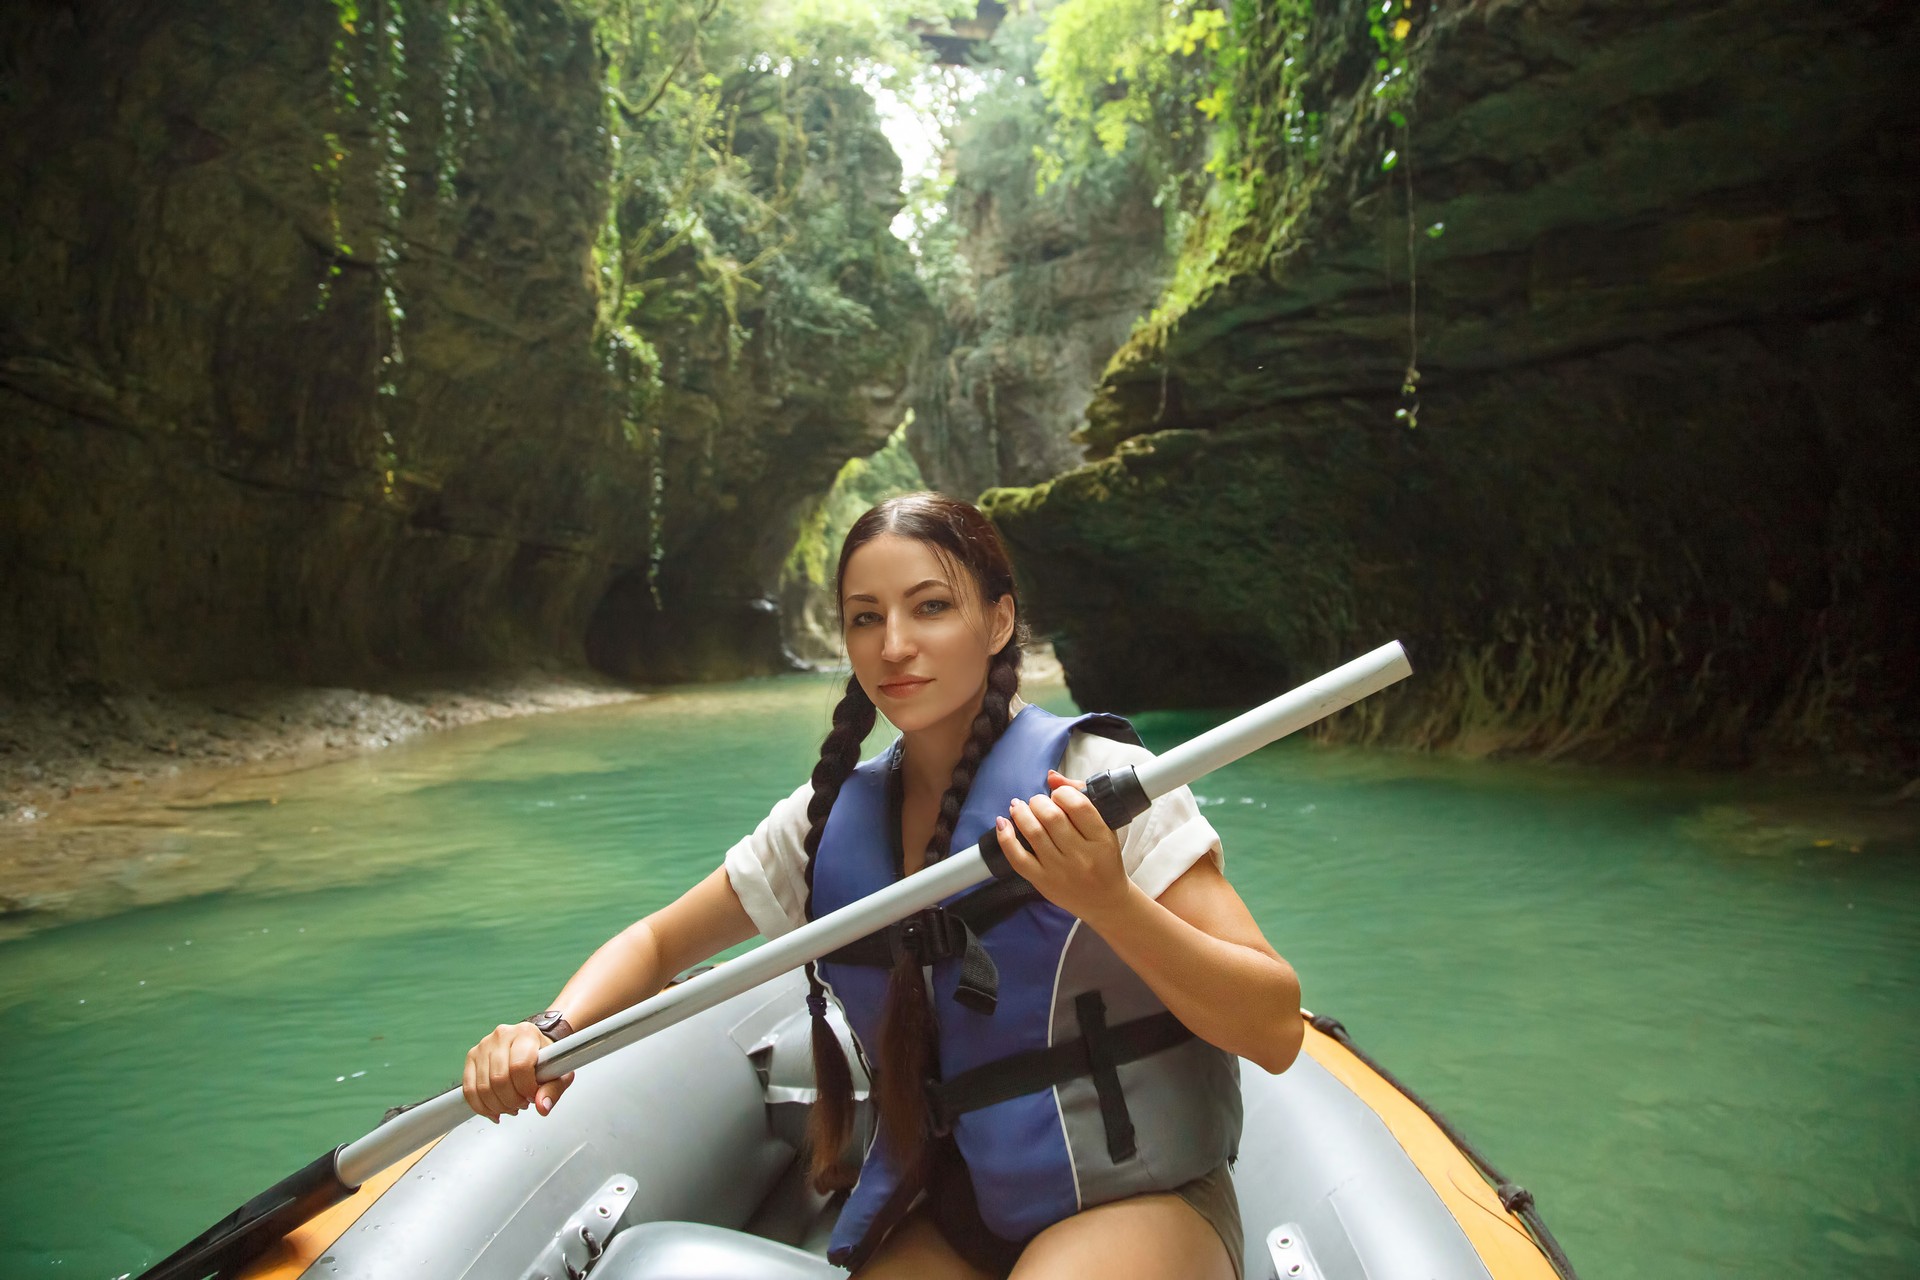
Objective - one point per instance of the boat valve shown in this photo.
(1288, 1253)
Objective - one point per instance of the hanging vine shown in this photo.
(390, 186)
(342, 96)
(707, 238)
(367, 71)
(1393, 92)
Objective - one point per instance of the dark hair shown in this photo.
(963, 539)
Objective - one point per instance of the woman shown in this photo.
(1059, 1098)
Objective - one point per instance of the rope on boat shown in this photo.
(1515, 1198)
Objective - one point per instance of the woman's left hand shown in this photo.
(1075, 863)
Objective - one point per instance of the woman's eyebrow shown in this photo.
(914, 590)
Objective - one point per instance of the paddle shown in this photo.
(1120, 794)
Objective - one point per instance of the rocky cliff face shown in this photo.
(299, 387)
(1049, 286)
(1658, 498)
(206, 481)
(763, 396)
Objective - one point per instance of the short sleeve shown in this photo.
(768, 869)
(1160, 845)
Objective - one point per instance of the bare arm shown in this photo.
(1200, 950)
(640, 959)
(632, 965)
(1197, 946)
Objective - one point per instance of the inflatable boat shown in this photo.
(679, 1158)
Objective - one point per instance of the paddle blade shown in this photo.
(246, 1233)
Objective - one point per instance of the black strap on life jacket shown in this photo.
(940, 933)
(1092, 1012)
(1100, 1052)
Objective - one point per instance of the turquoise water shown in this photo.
(1688, 1026)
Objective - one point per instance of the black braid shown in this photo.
(1003, 681)
(831, 1120)
(853, 719)
(907, 1028)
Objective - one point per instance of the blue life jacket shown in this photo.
(1065, 1081)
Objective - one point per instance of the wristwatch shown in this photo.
(552, 1024)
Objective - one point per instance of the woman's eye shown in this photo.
(934, 606)
(864, 619)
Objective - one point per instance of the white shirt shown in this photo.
(768, 869)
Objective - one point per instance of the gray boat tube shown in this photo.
(1120, 794)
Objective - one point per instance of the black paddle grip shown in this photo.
(1116, 793)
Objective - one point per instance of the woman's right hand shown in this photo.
(499, 1078)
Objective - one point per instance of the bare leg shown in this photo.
(915, 1249)
(1153, 1237)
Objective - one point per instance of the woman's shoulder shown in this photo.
(1090, 752)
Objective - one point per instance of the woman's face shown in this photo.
(917, 632)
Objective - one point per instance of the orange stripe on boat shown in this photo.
(294, 1252)
(1500, 1238)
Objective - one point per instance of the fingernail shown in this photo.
(1001, 824)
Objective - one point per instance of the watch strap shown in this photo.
(552, 1024)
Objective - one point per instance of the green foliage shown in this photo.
(1003, 143)
(1124, 73)
(747, 230)
(731, 177)
(1270, 65)
(862, 483)
(368, 70)
(731, 140)
(744, 263)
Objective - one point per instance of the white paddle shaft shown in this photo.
(1270, 721)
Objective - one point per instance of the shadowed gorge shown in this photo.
(1572, 346)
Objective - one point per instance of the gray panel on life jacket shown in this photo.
(1184, 1102)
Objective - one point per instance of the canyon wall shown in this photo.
(1651, 493)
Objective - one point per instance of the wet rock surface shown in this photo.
(1052, 284)
(301, 389)
(1653, 504)
(226, 461)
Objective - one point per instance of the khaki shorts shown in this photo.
(1213, 1198)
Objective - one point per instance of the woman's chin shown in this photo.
(910, 715)
(905, 719)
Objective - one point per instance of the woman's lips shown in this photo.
(902, 688)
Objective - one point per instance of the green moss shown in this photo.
(861, 484)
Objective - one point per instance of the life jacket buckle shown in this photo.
(928, 936)
(939, 1116)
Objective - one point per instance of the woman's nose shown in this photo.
(897, 644)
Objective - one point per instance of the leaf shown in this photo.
(1437, 230)
(1392, 159)
(1401, 28)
